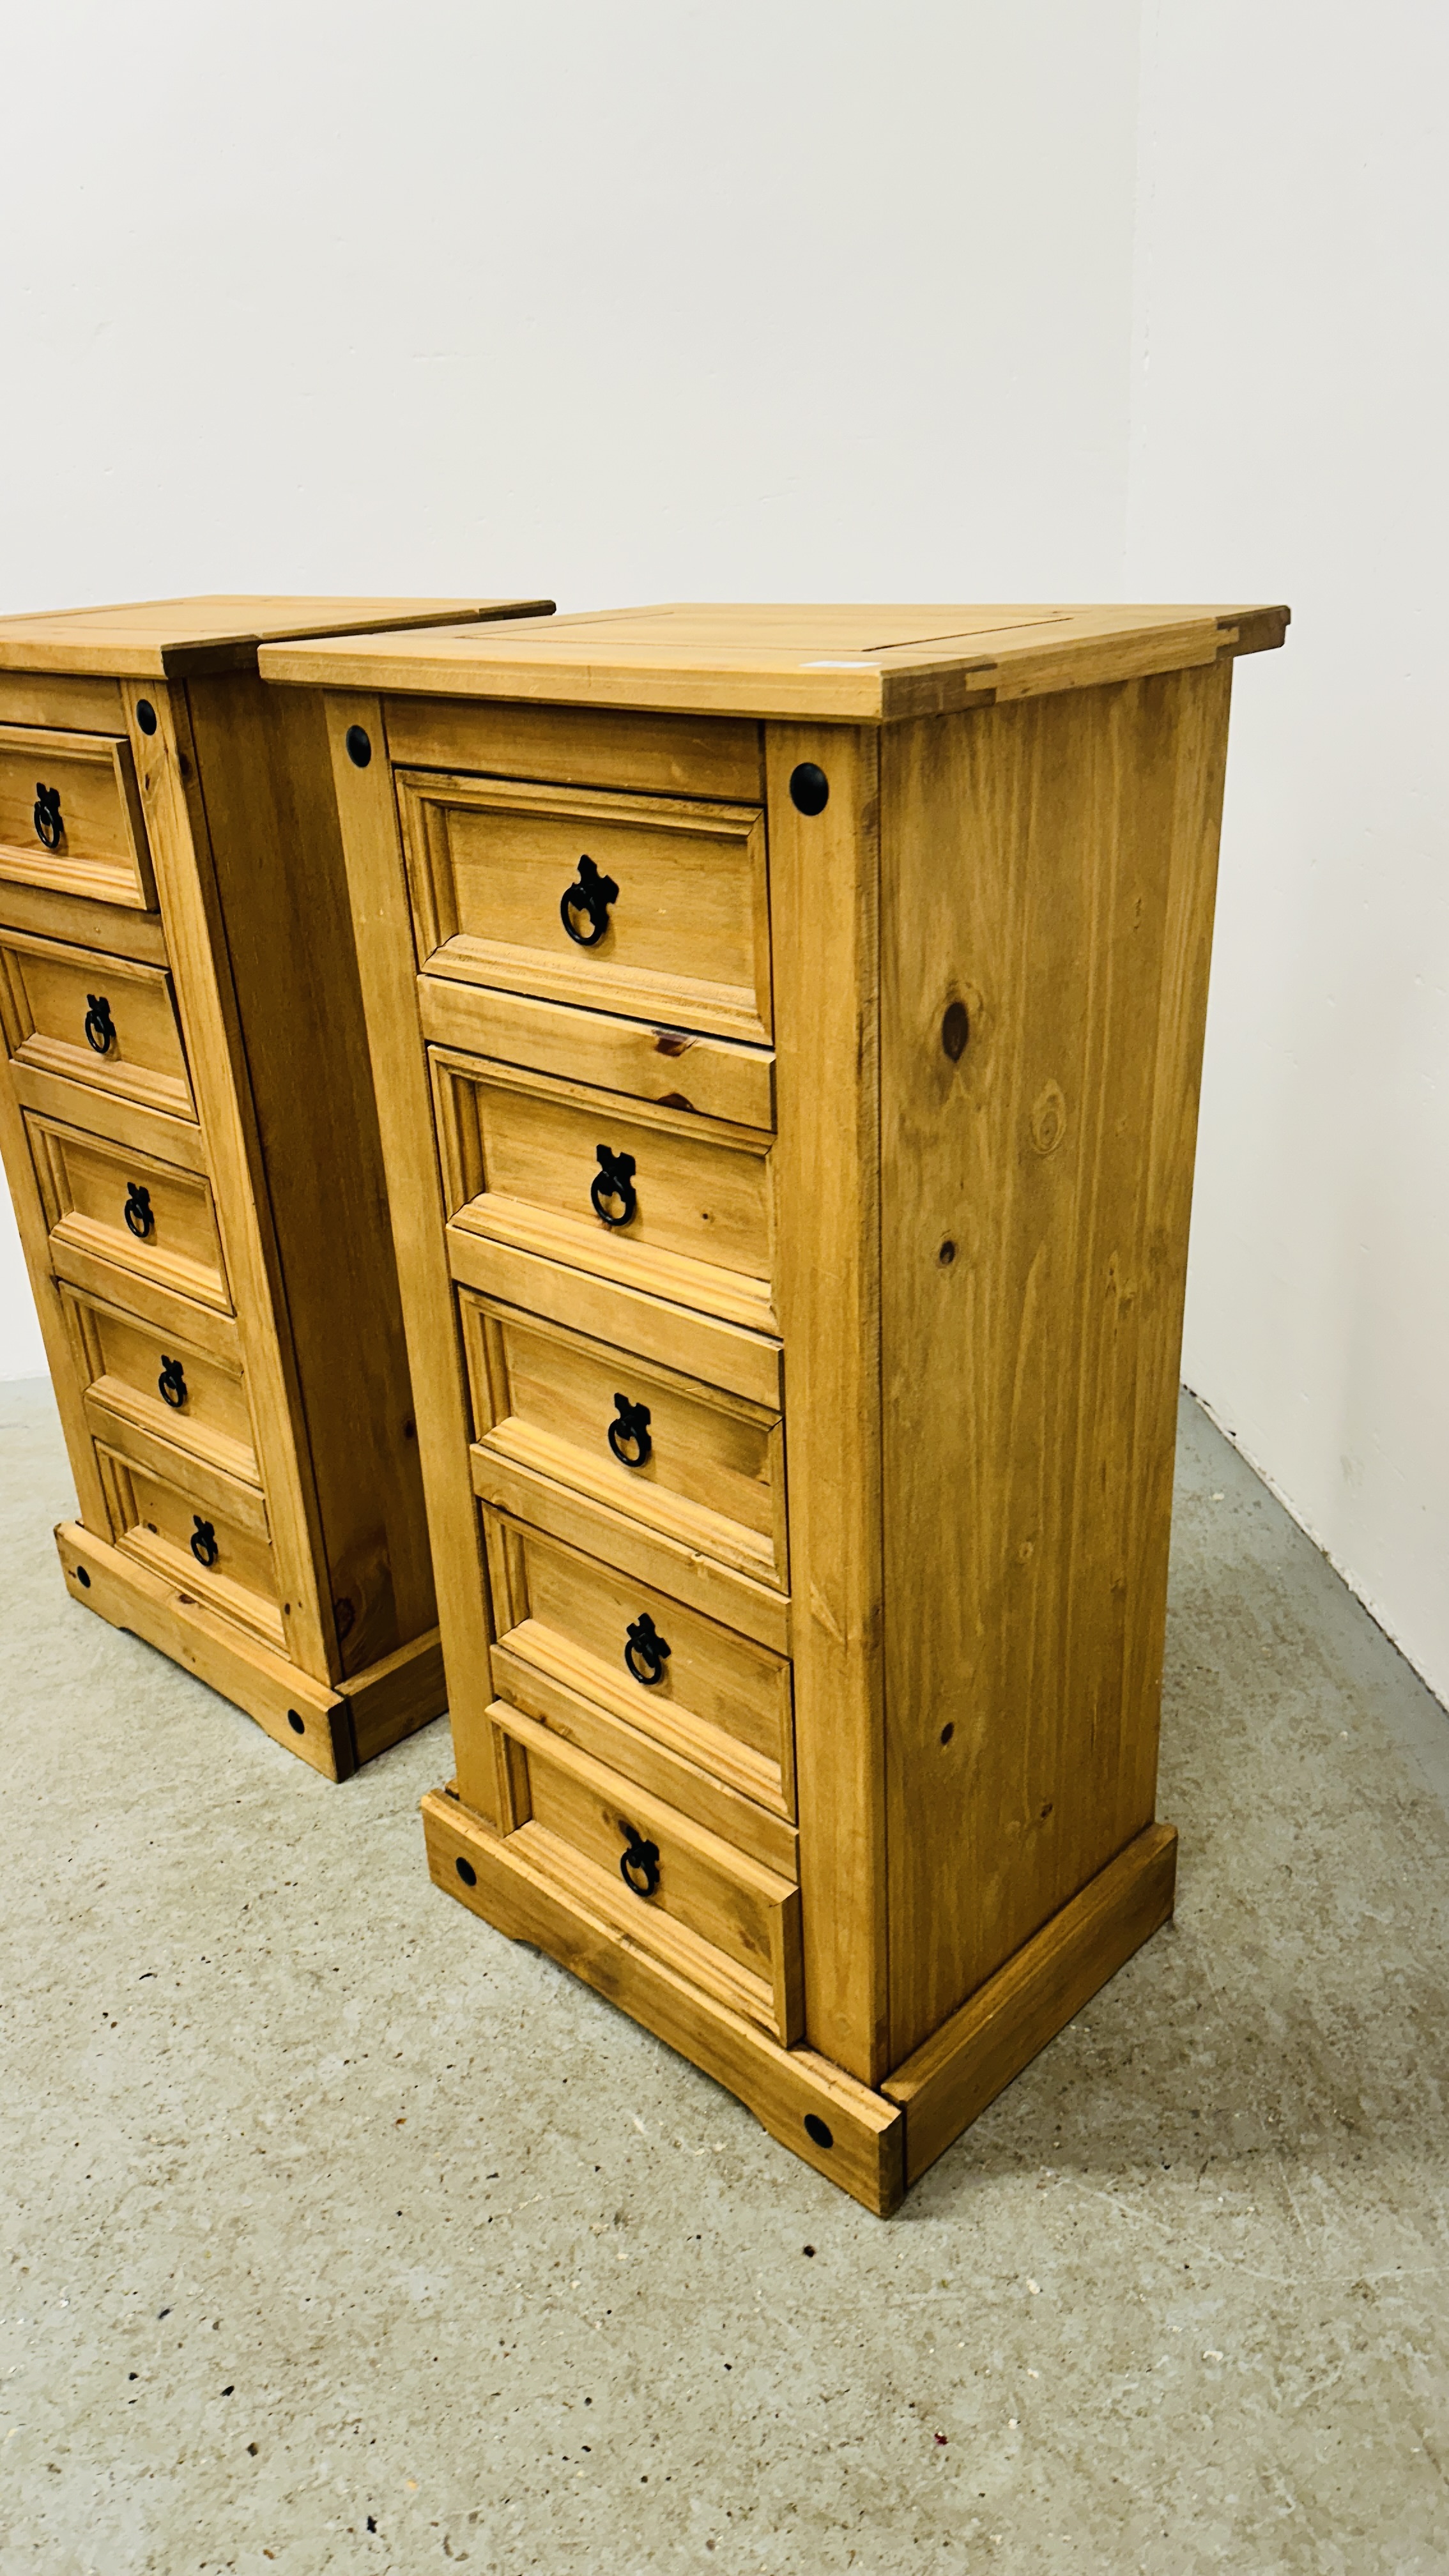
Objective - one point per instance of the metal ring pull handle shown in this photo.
(590, 894)
(138, 1211)
(646, 1652)
(203, 1541)
(99, 1026)
(629, 1431)
(171, 1384)
(614, 1180)
(48, 826)
(640, 1861)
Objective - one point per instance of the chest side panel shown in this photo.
(271, 814)
(1048, 878)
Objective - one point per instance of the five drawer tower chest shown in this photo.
(787, 1028)
(189, 1135)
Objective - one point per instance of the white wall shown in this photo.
(1291, 379)
(609, 299)
(629, 299)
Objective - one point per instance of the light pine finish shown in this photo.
(520, 1157)
(847, 665)
(96, 847)
(825, 872)
(1030, 1379)
(712, 1478)
(784, 2087)
(720, 757)
(188, 1131)
(50, 994)
(974, 2055)
(157, 639)
(687, 930)
(671, 1066)
(831, 1719)
(377, 887)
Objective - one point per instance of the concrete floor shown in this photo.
(339, 2234)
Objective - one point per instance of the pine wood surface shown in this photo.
(83, 922)
(928, 1294)
(168, 638)
(675, 1067)
(851, 665)
(717, 757)
(51, 992)
(1035, 1198)
(381, 918)
(783, 2087)
(99, 847)
(281, 889)
(688, 924)
(183, 1027)
(714, 1473)
(952, 2077)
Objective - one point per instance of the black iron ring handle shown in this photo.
(647, 1649)
(591, 894)
(203, 1541)
(172, 1383)
(614, 1179)
(48, 825)
(138, 1211)
(99, 1026)
(628, 1431)
(640, 1861)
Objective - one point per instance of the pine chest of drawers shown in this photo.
(788, 1025)
(189, 1135)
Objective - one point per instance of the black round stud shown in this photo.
(359, 749)
(466, 1871)
(955, 1030)
(809, 788)
(145, 715)
(82, 1578)
(947, 1254)
(815, 2128)
(297, 1724)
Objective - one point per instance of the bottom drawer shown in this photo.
(197, 1529)
(720, 1919)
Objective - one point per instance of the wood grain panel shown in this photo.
(854, 2137)
(583, 747)
(387, 966)
(826, 894)
(1049, 871)
(964, 2065)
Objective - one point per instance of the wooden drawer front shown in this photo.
(684, 935)
(521, 1157)
(86, 1185)
(76, 791)
(719, 1918)
(570, 1627)
(99, 1020)
(196, 1529)
(712, 1076)
(702, 1467)
(166, 1384)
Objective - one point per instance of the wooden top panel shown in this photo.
(856, 665)
(156, 639)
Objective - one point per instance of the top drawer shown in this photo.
(642, 904)
(70, 816)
